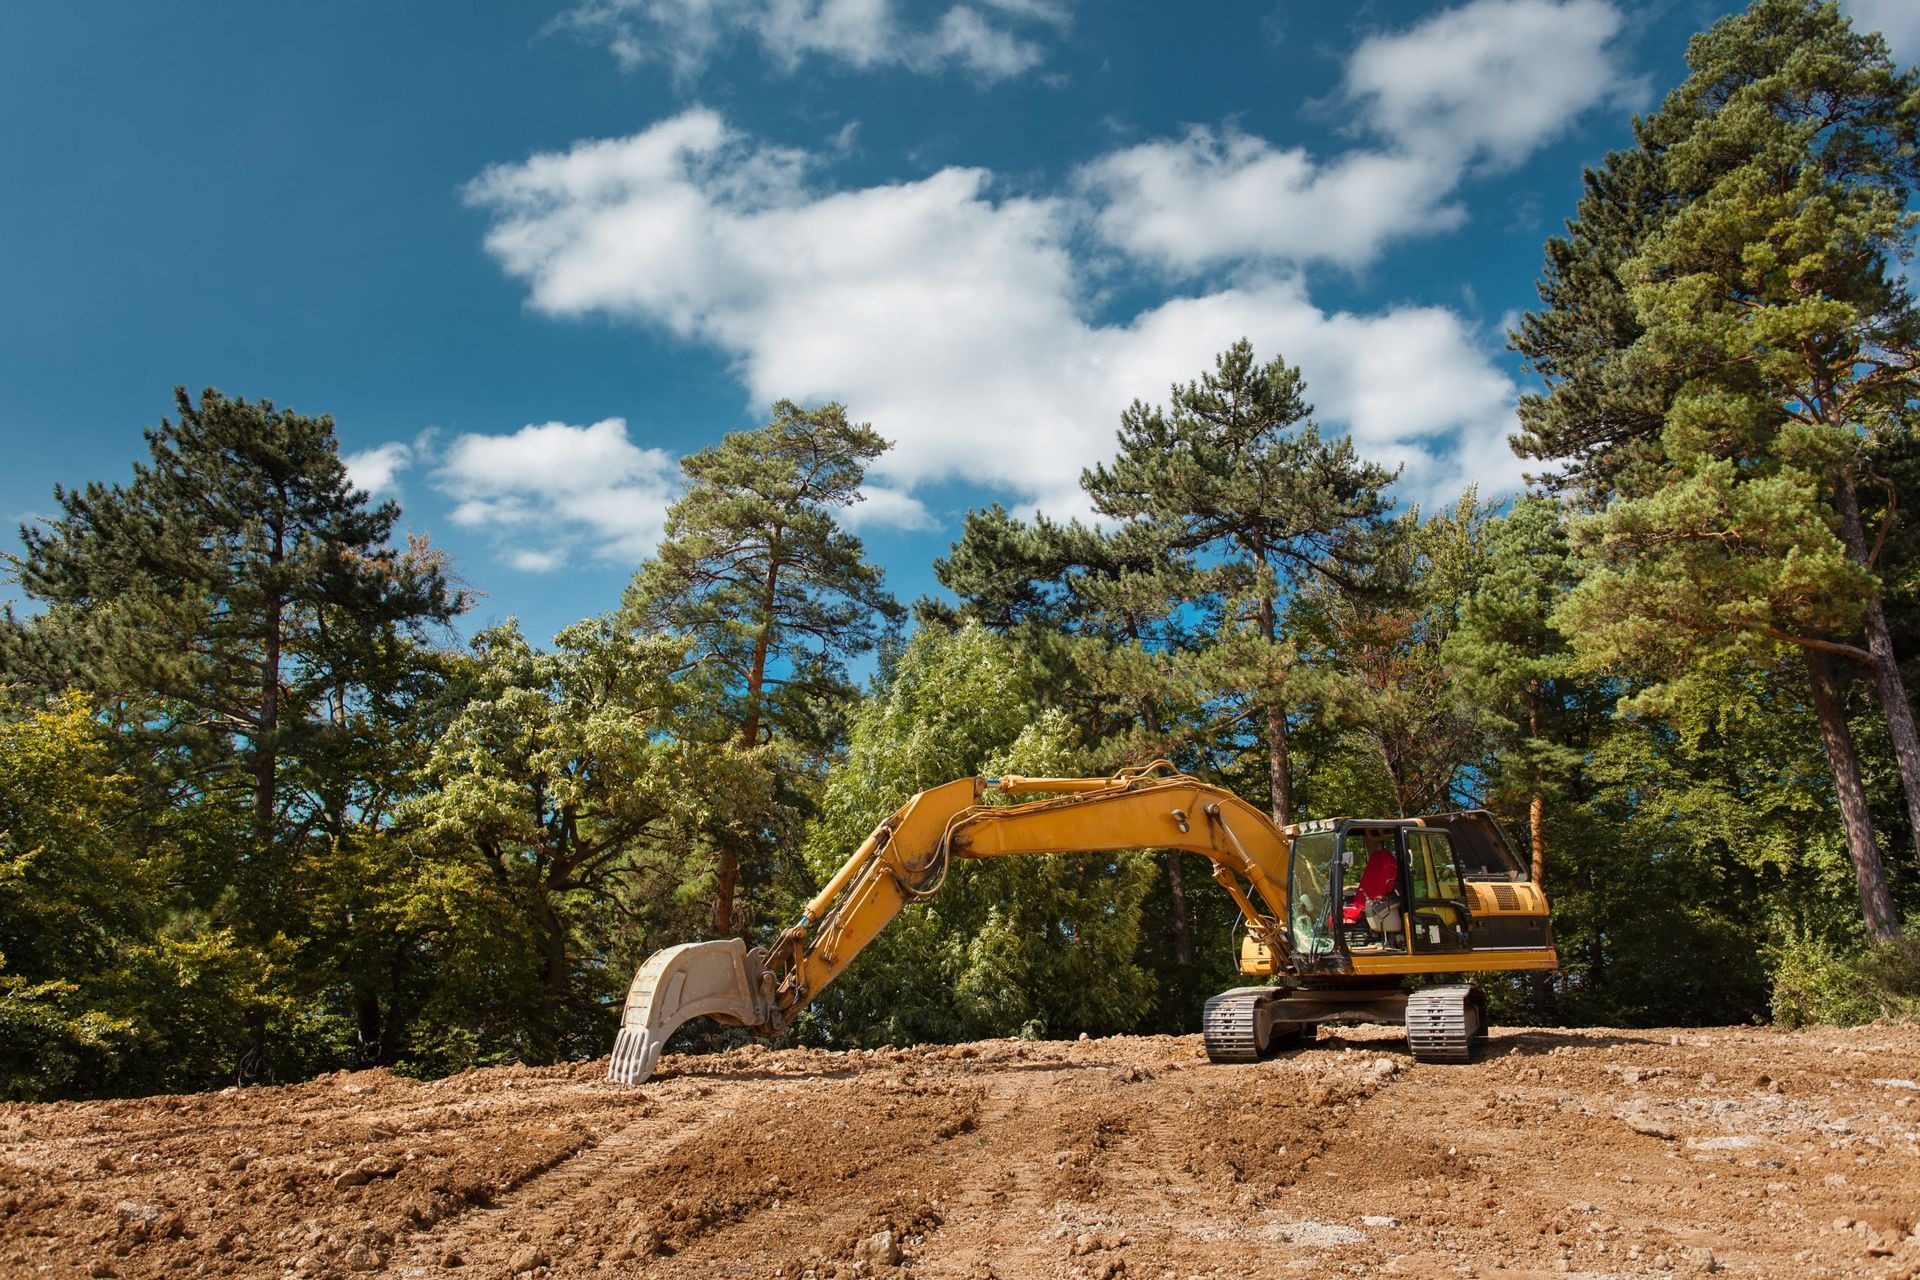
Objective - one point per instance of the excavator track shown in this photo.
(1236, 1026)
(1443, 1023)
(1230, 1025)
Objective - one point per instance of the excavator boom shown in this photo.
(907, 858)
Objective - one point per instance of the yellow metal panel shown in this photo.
(1488, 961)
(1501, 898)
(1257, 959)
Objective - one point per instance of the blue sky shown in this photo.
(529, 254)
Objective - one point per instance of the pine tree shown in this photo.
(1237, 478)
(1011, 573)
(1377, 660)
(238, 601)
(1598, 421)
(776, 593)
(1775, 293)
(1512, 667)
(1729, 344)
(1100, 616)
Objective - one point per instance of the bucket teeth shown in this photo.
(635, 1053)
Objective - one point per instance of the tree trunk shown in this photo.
(1537, 828)
(1537, 804)
(554, 973)
(262, 906)
(1279, 767)
(1395, 772)
(725, 891)
(1869, 874)
(1182, 931)
(728, 885)
(367, 1016)
(265, 749)
(756, 681)
(265, 753)
(1888, 682)
(1176, 891)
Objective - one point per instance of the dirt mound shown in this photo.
(1597, 1153)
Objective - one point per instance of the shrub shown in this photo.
(1817, 982)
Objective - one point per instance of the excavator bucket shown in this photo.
(719, 980)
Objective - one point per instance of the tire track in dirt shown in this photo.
(493, 1232)
(778, 1171)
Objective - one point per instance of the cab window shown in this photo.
(1434, 874)
(1481, 846)
(1315, 879)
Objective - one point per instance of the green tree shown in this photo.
(1235, 475)
(1598, 421)
(1377, 668)
(1700, 840)
(1777, 291)
(570, 780)
(1166, 635)
(1102, 618)
(1514, 670)
(1008, 945)
(777, 595)
(237, 603)
(1011, 574)
(72, 898)
(1769, 343)
(106, 985)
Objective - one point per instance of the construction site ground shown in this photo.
(1730, 1151)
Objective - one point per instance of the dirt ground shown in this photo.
(1736, 1151)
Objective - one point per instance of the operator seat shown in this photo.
(1378, 879)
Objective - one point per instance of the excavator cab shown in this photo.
(1369, 895)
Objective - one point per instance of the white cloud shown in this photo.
(377, 470)
(1897, 20)
(883, 508)
(1482, 84)
(560, 485)
(1192, 202)
(991, 44)
(949, 319)
(530, 561)
(1495, 78)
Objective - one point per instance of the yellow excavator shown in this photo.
(1337, 914)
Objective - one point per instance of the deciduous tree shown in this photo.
(568, 780)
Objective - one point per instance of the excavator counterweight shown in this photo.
(1338, 914)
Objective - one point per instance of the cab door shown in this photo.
(1437, 916)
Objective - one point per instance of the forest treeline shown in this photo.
(263, 815)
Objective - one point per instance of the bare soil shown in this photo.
(1736, 1151)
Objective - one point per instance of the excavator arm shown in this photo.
(907, 858)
